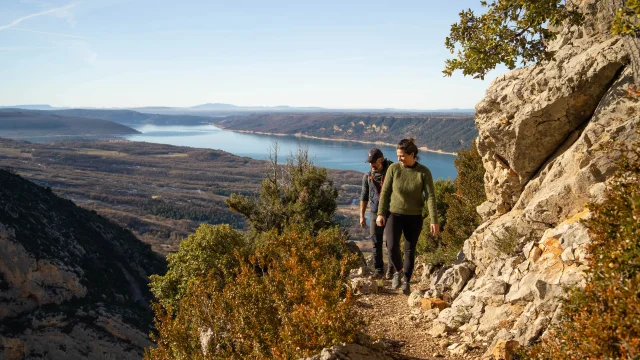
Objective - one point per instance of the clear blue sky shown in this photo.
(336, 54)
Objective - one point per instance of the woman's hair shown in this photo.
(408, 146)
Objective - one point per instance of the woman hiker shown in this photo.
(407, 184)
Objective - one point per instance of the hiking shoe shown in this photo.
(406, 289)
(396, 281)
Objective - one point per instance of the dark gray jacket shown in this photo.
(372, 185)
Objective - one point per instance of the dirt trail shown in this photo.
(405, 331)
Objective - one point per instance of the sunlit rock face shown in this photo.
(550, 137)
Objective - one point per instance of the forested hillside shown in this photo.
(444, 132)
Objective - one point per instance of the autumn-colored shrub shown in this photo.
(459, 203)
(602, 321)
(286, 300)
(278, 292)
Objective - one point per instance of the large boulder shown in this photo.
(550, 138)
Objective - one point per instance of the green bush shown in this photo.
(297, 193)
(602, 321)
(627, 19)
(427, 243)
(460, 217)
(210, 251)
(286, 301)
(508, 32)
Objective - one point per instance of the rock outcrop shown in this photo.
(550, 137)
(72, 284)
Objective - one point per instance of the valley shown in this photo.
(160, 192)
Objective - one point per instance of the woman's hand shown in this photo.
(435, 229)
(380, 220)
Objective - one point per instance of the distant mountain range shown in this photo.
(217, 109)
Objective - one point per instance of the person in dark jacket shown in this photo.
(372, 182)
(408, 184)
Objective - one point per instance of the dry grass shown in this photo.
(100, 152)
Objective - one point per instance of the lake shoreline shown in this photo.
(423, 148)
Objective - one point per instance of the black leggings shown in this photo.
(396, 225)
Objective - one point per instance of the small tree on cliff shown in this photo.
(297, 192)
(517, 31)
(627, 20)
(511, 31)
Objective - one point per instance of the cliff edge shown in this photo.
(550, 137)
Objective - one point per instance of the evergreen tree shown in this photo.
(297, 192)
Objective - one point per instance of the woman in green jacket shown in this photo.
(407, 185)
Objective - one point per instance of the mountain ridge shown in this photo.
(72, 284)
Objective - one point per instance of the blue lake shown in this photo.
(326, 153)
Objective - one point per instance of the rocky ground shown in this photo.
(403, 330)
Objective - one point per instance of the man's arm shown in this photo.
(364, 200)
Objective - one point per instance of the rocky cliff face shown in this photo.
(72, 284)
(549, 137)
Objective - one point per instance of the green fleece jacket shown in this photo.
(405, 190)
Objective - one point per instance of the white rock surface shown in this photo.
(549, 136)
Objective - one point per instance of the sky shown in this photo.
(334, 54)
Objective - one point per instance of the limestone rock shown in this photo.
(349, 352)
(364, 286)
(415, 298)
(533, 111)
(549, 138)
(454, 279)
(72, 284)
(439, 329)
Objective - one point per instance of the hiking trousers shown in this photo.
(396, 226)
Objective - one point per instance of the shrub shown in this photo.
(427, 243)
(297, 193)
(287, 300)
(282, 295)
(627, 19)
(507, 243)
(211, 251)
(602, 321)
(460, 218)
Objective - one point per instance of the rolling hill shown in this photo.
(16, 123)
(444, 132)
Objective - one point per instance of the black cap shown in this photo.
(374, 154)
